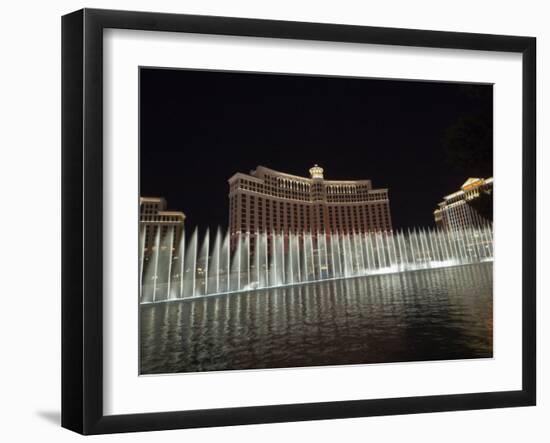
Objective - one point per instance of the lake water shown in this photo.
(438, 314)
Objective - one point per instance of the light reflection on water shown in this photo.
(437, 314)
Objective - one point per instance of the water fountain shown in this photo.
(247, 261)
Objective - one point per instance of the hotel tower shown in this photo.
(157, 224)
(456, 210)
(271, 201)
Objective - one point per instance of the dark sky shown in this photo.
(197, 128)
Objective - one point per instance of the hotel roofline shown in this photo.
(152, 200)
(265, 169)
(160, 212)
(469, 184)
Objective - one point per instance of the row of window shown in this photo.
(247, 214)
(161, 218)
(462, 215)
(306, 192)
(248, 201)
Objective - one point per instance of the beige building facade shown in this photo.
(272, 201)
(455, 212)
(155, 218)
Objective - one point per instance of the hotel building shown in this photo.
(456, 212)
(266, 201)
(155, 218)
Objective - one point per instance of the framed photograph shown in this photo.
(269, 221)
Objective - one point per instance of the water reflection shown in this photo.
(434, 314)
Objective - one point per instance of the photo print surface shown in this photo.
(292, 220)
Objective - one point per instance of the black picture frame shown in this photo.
(82, 217)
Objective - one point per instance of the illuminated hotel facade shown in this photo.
(455, 212)
(158, 224)
(271, 201)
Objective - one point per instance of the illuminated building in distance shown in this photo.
(271, 201)
(456, 210)
(158, 225)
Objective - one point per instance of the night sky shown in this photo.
(197, 128)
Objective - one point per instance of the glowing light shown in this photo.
(292, 259)
(316, 172)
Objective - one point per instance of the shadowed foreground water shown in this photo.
(436, 314)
